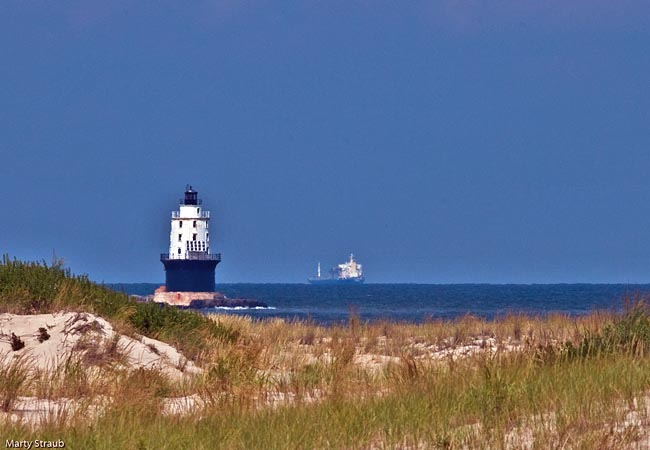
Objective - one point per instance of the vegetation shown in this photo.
(515, 382)
(36, 287)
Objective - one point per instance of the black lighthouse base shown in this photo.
(190, 275)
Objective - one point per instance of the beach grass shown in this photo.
(484, 404)
(515, 382)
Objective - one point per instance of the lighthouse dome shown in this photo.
(191, 196)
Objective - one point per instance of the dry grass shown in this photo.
(511, 383)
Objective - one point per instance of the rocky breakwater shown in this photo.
(200, 300)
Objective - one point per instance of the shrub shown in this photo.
(16, 343)
(627, 333)
(43, 335)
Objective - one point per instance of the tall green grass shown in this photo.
(38, 288)
(628, 333)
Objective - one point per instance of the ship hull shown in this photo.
(335, 281)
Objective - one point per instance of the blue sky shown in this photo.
(441, 142)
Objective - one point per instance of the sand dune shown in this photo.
(89, 337)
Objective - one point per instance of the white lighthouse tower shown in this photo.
(190, 236)
(189, 265)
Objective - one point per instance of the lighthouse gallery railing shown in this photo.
(201, 215)
(194, 256)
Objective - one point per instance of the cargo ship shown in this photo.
(350, 272)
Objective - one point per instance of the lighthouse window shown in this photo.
(180, 224)
(194, 237)
(197, 211)
(207, 236)
(179, 251)
(194, 224)
(180, 236)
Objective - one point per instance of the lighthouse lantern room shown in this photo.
(189, 265)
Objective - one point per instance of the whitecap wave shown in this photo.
(240, 308)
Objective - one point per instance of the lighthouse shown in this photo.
(189, 265)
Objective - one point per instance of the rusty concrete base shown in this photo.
(200, 300)
(186, 298)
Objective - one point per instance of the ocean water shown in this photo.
(416, 302)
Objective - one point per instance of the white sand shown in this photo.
(80, 333)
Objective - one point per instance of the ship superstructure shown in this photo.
(350, 272)
(189, 265)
